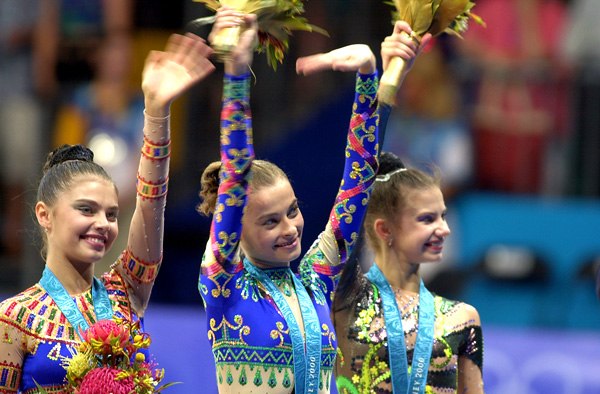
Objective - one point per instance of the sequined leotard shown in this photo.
(362, 336)
(250, 338)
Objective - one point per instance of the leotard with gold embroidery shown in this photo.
(250, 339)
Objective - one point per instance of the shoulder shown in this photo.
(457, 310)
(23, 300)
(21, 310)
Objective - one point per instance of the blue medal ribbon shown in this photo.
(307, 356)
(68, 306)
(401, 382)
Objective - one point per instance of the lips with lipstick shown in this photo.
(289, 244)
(98, 241)
(435, 245)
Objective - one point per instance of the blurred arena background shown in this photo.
(510, 114)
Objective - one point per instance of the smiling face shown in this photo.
(82, 225)
(272, 226)
(419, 228)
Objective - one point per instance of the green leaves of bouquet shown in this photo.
(277, 19)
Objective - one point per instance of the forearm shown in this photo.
(360, 166)
(237, 153)
(145, 241)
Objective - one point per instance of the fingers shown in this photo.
(402, 26)
(249, 36)
(228, 17)
(186, 50)
(402, 43)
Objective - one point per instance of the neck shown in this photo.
(400, 275)
(262, 265)
(76, 279)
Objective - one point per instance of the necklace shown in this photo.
(402, 381)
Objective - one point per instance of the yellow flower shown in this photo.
(80, 364)
(140, 357)
(123, 375)
(141, 341)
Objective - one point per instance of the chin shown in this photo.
(435, 259)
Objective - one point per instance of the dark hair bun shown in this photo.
(66, 153)
(389, 162)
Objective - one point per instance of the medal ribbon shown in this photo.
(307, 356)
(68, 306)
(402, 383)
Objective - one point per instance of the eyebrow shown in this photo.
(272, 214)
(93, 202)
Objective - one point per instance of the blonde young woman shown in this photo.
(270, 328)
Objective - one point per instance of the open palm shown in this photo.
(169, 73)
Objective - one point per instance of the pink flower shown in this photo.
(106, 337)
(104, 380)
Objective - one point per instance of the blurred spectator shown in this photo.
(19, 119)
(429, 127)
(582, 48)
(82, 69)
(68, 36)
(519, 105)
(107, 115)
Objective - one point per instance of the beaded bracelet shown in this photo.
(154, 151)
(142, 271)
(151, 190)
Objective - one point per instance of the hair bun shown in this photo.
(389, 162)
(67, 153)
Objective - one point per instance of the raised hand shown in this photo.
(240, 58)
(402, 43)
(169, 73)
(356, 57)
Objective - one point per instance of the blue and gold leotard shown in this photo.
(250, 338)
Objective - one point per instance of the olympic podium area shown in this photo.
(526, 263)
(516, 360)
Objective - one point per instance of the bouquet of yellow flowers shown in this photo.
(111, 360)
(276, 21)
(424, 16)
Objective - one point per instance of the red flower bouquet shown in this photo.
(111, 359)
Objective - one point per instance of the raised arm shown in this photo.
(361, 149)
(237, 150)
(337, 242)
(167, 74)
